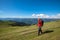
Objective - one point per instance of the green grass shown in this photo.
(30, 32)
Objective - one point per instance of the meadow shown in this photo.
(51, 31)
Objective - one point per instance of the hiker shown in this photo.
(40, 24)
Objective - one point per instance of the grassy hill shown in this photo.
(8, 23)
(51, 31)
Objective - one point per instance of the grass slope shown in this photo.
(51, 32)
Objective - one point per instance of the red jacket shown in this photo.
(39, 23)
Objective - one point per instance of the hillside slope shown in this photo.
(51, 31)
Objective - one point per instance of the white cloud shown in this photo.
(44, 16)
(33, 15)
(55, 16)
(41, 15)
(10, 16)
(47, 16)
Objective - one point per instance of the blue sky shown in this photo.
(27, 8)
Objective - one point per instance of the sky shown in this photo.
(29, 8)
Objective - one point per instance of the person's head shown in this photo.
(38, 19)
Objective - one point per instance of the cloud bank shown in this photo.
(46, 16)
(11, 17)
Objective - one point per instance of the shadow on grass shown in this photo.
(48, 31)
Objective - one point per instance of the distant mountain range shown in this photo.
(27, 20)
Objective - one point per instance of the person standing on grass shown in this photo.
(40, 24)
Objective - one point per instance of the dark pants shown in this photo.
(39, 31)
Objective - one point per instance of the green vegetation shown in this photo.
(51, 32)
(8, 23)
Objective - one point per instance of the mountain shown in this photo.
(28, 20)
